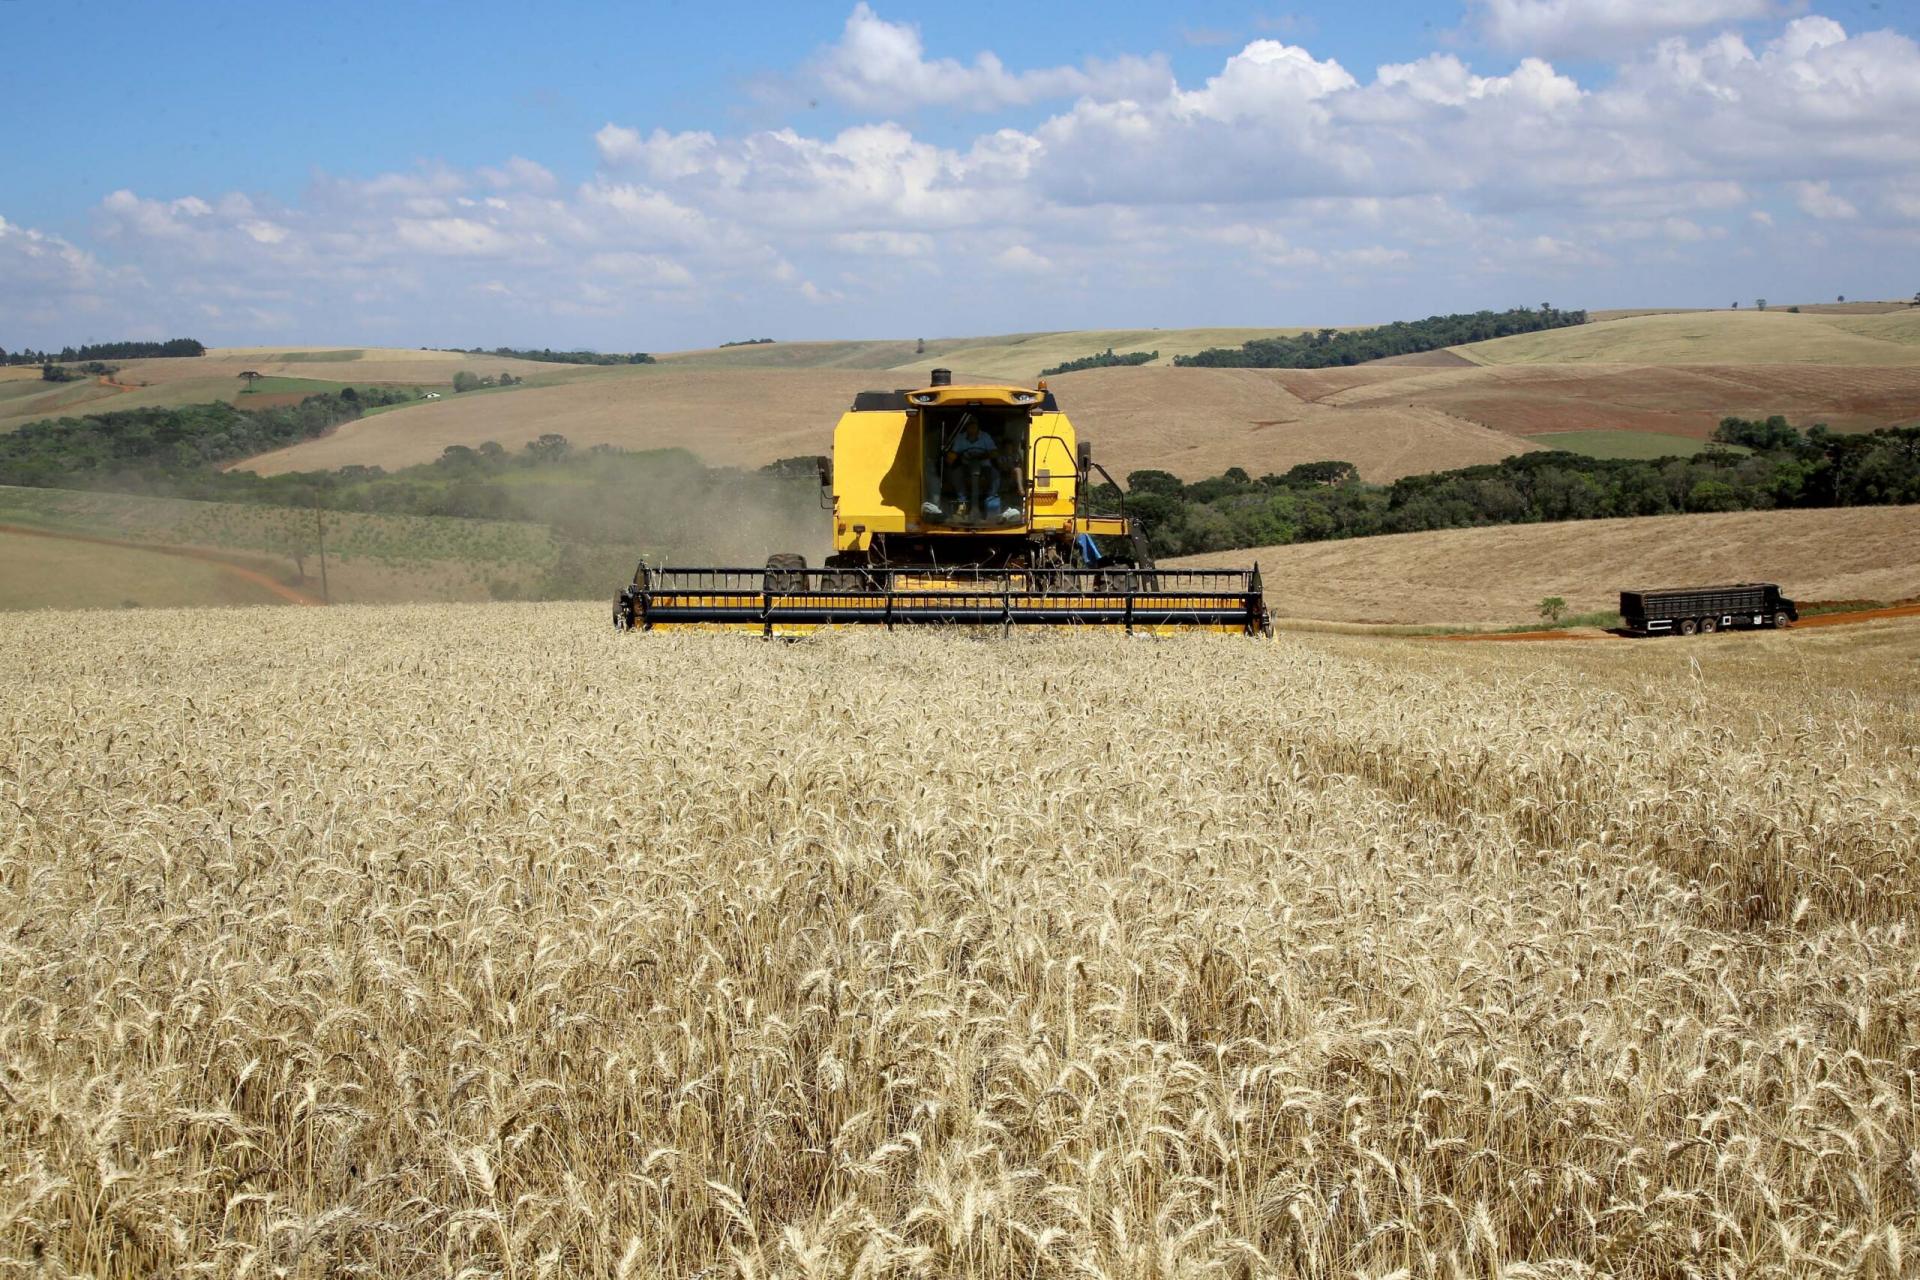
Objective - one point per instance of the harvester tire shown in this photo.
(786, 573)
(844, 574)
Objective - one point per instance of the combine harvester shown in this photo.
(956, 506)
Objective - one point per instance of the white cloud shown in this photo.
(1587, 28)
(1018, 257)
(882, 66)
(1817, 200)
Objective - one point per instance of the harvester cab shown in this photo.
(966, 504)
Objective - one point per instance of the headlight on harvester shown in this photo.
(924, 397)
(1024, 397)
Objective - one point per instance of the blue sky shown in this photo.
(671, 175)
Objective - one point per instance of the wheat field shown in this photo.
(477, 941)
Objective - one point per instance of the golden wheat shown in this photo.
(482, 941)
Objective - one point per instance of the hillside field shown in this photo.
(1497, 576)
(372, 558)
(1193, 422)
(162, 383)
(1718, 338)
(482, 940)
(1618, 386)
(53, 573)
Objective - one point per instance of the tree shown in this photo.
(1736, 306)
(1552, 608)
(465, 381)
(919, 346)
(1760, 304)
(1841, 298)
(252, 376)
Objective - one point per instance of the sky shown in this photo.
(673, 175)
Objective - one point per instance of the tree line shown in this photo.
(1104, 360)
(105, 351)
(1330, 347)
(1752, 465)
(548, 355)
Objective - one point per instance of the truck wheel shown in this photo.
(1781, 622)
(786, 573)
(1688, 626)
(1709, 625)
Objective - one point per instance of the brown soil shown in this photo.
(227, 563)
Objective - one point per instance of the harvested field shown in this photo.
(484, 941)
(1193, 422)
(1497, 576)
(164, 383)
(1717, 338)
(1688, 401)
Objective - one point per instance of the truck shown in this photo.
(1695, 610)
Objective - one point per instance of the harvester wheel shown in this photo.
(786, 573)
(845, 576)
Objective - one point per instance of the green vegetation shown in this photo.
(1105, 360)
(272, 384)
(105, 351)
(1329, 347)
(1619, 444)
(550, 356)
(1775, 466)
(319, 357)
(767, 342)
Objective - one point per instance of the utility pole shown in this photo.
(320, 531)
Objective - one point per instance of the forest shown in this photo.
(1750, 465)
(106, 351)
(1325, 348)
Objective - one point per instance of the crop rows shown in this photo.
(481, 941)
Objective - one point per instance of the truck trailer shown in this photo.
(1692, 610)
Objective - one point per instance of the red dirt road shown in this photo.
(290, 594)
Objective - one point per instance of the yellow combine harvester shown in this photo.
(955, 505)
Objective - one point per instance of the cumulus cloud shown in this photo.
(878, 65)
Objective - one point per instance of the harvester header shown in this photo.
(953, 505)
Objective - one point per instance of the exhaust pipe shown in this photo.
(942, 378)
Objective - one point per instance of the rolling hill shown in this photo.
(1193, 422)
(159, 383)
(1018, 356)
(1499, 575)
(1717, 338)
